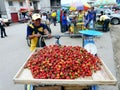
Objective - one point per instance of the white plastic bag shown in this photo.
(91, 24)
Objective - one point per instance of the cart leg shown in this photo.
(28, 87)
(25, 86)
(62, 87)
(31, 87)
(94, 87)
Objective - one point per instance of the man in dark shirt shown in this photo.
(35, 30)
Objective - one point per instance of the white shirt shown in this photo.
(104, 17)
(1, 21)
(44, 18)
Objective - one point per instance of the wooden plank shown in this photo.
(105, 69)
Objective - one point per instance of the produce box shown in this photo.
(101, 77)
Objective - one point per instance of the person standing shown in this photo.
(44, 17)
(88, 19)
(106, 20)
(54, 16)
(35, 30)
(30, 17)
(58, 15)
(80, 16)
(64, 22)
(93, 12)
(61, 13)
(45, 20)
(3, 32)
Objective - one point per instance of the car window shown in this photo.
(106, 11)
(98, 11)
(109, 11)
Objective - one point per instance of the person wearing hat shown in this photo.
(35, 30)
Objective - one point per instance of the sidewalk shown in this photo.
(105, 51)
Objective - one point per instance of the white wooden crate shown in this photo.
(102, 77)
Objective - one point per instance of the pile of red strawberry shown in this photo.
(62, 62)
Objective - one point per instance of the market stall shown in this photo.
(78, 68)
(100, 77)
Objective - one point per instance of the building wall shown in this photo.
(11, 9)
(2, 7)
(15, 8)
(45, 5)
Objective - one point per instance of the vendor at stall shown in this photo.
(35, 30)
(106, 21)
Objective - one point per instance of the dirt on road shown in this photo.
(115, 35)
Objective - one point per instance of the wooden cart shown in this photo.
(102, 77)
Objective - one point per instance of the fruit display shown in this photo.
(62, 62)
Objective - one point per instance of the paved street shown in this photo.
(14, 52)
(115, 34)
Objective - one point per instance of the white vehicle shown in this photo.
(6, 20)
(114, 17)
